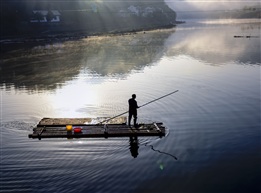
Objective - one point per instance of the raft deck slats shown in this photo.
(56, 122)
(95, 131)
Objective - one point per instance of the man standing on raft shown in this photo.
(133, 110)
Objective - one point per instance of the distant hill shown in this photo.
(49, 17)
(246, 12)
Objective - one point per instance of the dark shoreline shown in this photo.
(9, 42)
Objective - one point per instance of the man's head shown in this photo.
(134, 96)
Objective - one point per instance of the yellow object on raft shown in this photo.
(68, 127)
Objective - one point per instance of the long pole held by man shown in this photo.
(133, 108)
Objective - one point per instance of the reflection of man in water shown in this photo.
(133, 110)
(134, 146)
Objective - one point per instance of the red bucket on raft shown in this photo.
(77, 130)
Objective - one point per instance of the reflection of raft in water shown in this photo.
(90, 128)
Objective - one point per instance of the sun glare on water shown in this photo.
(69, 99)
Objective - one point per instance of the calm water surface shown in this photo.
(213, 121)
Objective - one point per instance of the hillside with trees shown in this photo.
(61, 16)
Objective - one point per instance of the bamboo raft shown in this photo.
(91, 128)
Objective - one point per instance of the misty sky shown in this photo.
(205, 5)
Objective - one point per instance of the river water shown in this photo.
(213, 122)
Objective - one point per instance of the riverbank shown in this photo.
(8, 43)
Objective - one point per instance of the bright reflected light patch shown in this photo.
(70, 98)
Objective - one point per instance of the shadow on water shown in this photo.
(161, 152)
(45, 67)
(134, 147)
